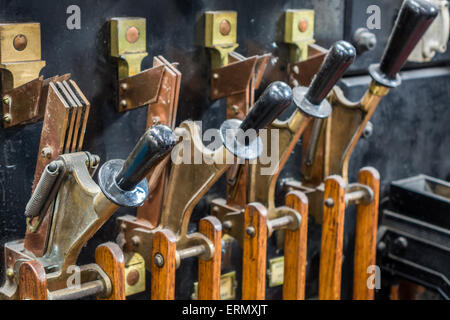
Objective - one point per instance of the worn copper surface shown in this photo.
(140, 89)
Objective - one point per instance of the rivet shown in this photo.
(6, 99)
(124, 86)
(20, 42)
(123, 103)
(227, 225)
(225, 27)
(251, 231)
(329, 203)
(303, 25)
(215, 75)
(135, 241)
(296, 69)
(132, 34)
(158, 259)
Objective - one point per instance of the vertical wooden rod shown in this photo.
(332, 239)
(254, 252)
(366, 237)
(163, 266)
(110, 258)
(209, 270)
(295, 249)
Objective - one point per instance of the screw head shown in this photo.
(215, 75)
(20, 42)
(46, 152)
(225, 27)
(124, 86)
(132, 34)
(156, 120)
(158, 259)
(303, 25)
(135, 241)
(123, 103)
(329, 203)
(6, 99)
(251, 231)
(227, 225)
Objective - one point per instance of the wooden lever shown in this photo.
(336, 197)
(109, 258)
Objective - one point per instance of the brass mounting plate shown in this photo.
(20, 42)
(220, 28)
(128, 43)
(228, 285)
(275, 272)
(299, 26)
(134, 274)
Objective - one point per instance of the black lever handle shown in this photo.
(157, 142)
(123, 182)
(273, 101)
(238, 137)
(339, 58)
(413, 20)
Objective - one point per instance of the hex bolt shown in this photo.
(158, 259)
(251, 231)
(135, 241)
(329, 203)
(6, 99)
(156, 121)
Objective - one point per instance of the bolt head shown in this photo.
(227, 225)
(10, 273)
(123, 103)
(329, 203)
(135, 241)
(124, 86)
(215, 75)
(7, 118)
(158, 259)
(20, 42)
(251, 231)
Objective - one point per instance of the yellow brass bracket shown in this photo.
(128, 44)
(188, 182)
(20, 65)
(299, 33)
(220, 36)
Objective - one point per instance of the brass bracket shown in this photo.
(128, 45)
(220, 35)
(20, 65)
(299, 33)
